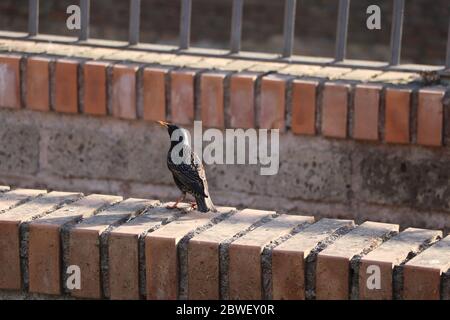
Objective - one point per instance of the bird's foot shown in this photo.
(173, 206)
(193, 205)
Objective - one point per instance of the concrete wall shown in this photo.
(323, 177)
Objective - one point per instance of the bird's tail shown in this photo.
(205, 204)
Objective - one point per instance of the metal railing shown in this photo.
(286, 52)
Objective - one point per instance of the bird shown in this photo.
(188, 172)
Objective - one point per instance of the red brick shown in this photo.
(84, 244)
(304, 107)
(430, 117)
(333, 263)
(124, 278)
(162, 258)
(124, 91)
(44, 243)
(388, 256)
(212, 99)
(397, 115)
(288, 259)
(422, 274)
(245, 269)
(10, 81)
(155, 94)
(204, 255)
(366, 112)
(182, 96)
(95, 102)
(273, 102)
(10, 222)
(242, 100)
(335, 110)
(66, 86)
(10, 275)
(38, 83)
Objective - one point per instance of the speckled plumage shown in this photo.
(189, 175)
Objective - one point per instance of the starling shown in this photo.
(188, 174)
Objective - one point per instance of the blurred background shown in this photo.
(424, 37)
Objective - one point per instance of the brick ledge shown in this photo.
(338, 103)
(232, 254)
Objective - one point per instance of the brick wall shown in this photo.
(425, 29)
(184, 254)
(355, 144)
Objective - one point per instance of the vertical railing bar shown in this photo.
(289, 27)
(236, 26)
(85, 6)
(447, 60)
(33, 17)
(396, 31)
(342, 29)
(185, 24)
(135, 16)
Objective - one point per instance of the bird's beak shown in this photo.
(163, 123)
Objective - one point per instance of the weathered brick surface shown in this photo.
(300, 70)
(38, 83)
(185, 93)
(212, 99)
(332, 72)
(10, 81)
(266, 67)
(289, 258)
(85, 248)
(245, 271)
(361, 75)
(18, 196)
(238, 65)
(366, 112)
(209, 63)
(123, 99)
(66, 86)
(273, 102)
(182, 96)
(185, 61)
(388, 256)
(204, 252)
(45, 257)
(397, 117)
(95, 88)
(10, 222)
(304, 107)
(126, 280)
(396, 77)
(333, 263)
(335, 110)
(242, 100)
(430, 117)
(154, 86)
(161, 254)
(164, 253)
(422, 274)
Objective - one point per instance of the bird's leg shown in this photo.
(193, 205)
(174, 206)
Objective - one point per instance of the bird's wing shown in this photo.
(191, 175)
